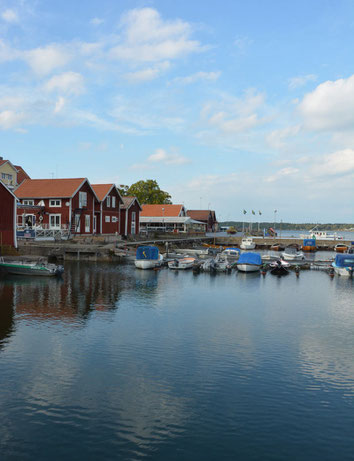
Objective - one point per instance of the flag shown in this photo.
(244, 212)
(259, 212)
(253, 212)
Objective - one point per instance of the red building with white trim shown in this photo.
(7, 217)
(130, 216)
(107, 210)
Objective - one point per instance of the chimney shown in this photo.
(1, 158)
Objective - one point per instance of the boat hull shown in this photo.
(147, 263)
(26, 269)
(248, 267)
(343, 271)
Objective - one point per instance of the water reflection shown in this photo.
(6, 312)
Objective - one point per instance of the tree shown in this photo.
(148, 192)
(123, 190)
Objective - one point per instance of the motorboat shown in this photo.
(344, 264)
(279, 267)
(218, 264)
(341, 248)
(231, 254)
(270, 256)
(247, 243)
(147, 257)
(249, 262)
(309, 245)
(181, 264)
(292, 254)
(30, 268)
(277, 247)
(321, 235)
(194, 251)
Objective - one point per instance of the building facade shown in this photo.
(130, 216)
(7, 216)
(107, 210)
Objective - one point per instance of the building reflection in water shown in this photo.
(7, 326)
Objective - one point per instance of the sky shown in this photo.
(229, 105)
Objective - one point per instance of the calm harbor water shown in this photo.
(115, 363)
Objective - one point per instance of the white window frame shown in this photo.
(113, 201)
(57, 203)
(27, 202)
(56, 226)
(87, 223)
(82, 199)
(108, 201)
(107, 219)
(77, 223)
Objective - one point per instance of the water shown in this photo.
(116, 363)
(347, 235)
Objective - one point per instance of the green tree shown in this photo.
(123, 190)
(149, 192)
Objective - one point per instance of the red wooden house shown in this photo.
(107, 210)
(58, 204)
(130, 216)
(7, 217)
(205, 216)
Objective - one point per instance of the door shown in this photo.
(87, 223)
(94, 224)
(133, 222)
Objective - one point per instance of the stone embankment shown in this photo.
(267, 242)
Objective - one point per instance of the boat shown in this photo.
(341, 248)
(279, 267)
(231, 230)
(218, 264)
(277, 247)
(181, 264)
(344, 264)
(321, 235)
(292, 254)
(270, 256)
(231, 254)
(309, 245)
(147, 257)
(249, 262)
(247, 243)
(30, 268)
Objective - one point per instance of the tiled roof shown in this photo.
(128, 200)
(101, 190)
(2, 162)
(201, 215)
(161, 210)
(21, 174)
(49, 188)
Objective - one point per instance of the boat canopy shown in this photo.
(345, 260)
(309, 242)
(249, 258)
(147, 252)
(232, 249)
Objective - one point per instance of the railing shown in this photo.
(41, 233)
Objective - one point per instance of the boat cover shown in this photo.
(309, 243)
(235, 249)
(345, 260)
(147, 252)
(250, 258)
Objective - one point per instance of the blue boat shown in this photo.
(344, 264)
(249, 262)
(309, 245)
(147, 257)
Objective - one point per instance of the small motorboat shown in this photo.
(279, 267)
(181, 264)
(341, 248)
(270, 256)
(277, 247)
(231, 254)
(344, 264)
(292, 254)
(249, 262)
(147, 257)
(309, 245)
(247, 243)
(30, 268)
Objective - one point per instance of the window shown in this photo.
(77, 223)
(27, 202)
(113, 201)
(82, 199)
(87, 223)
(114, 219)
(108, 201)
(6, 176)
(133, 225)
(107, 219)
(54, 221)
(55, 202)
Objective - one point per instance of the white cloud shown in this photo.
(68, 82)
(10, 16)
(45, 59)
(242, 43)
(276, 138)
(59, 105)
(337, 163)
(284, 172)
(198, 76)
(149, 38)
(301, 80)
(10, 119)
(147, 74)
(330, 106)
(161, 156)
(96, 21)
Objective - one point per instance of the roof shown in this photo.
(49, 188)
(163, 210)
(102, 190)
(201, 215)
(169, 220)
(21, 174)
(8, 190)
(128, 201)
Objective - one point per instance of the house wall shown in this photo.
(123, 213)
(6, 168)
(7, 225)
(88, 210)
(110, 214)
(135, 208)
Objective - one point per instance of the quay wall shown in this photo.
(266, 242)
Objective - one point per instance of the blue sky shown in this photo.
(229, 105)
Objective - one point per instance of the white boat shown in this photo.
(270, 256)
(30, 268)
(279, 267)
(194, 251)
(231, 254)
(247, 243)
(321, 235)
(344, 264)
(148, 257)
(181, 264)
(249, 262)
(292, 254)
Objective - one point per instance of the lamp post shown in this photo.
(275, 220)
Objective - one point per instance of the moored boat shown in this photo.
(309, 245)
(231, 254)
(247, 243)
(249, 262)
(341, 248)
(279, 267)
(292, 254)
(181, 264)
(147, 257)
(30, 268)
(344, 264)
(277, 247)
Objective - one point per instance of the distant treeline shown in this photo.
(290, 226)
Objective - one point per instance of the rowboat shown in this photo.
(30, 268)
